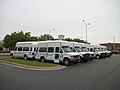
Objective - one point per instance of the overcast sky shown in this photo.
(65, 16)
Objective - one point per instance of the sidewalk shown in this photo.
(4, 54)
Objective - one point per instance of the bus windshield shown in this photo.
(78, 49)
(91, 49)
(66, 49)
(84, 49)
(96, 50)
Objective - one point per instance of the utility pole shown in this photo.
(50, 32)
(114, 43)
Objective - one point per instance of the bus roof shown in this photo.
(28, 43)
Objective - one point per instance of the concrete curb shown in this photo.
(31, 67)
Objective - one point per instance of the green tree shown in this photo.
(33, 38)
(78, 40)
(68, 39)
(45, 37)
(10, 40)
(74, 40)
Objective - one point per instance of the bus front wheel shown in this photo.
(42, 59)
(66, 62)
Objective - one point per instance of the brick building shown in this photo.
(112, 46)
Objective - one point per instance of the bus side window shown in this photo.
(50, 49)
(15, 49)
(71, 48)
(57, 49)
(88, 49)
(19, 48)
(92, 50)
(74, 50)
(43, 49)
(25, 48)
(35, 49)
(61, 50)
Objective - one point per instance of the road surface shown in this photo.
(99, 74)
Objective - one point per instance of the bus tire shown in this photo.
(97, 56)
(25, 57)
(42, 59)
(66, 62)
(80, 60)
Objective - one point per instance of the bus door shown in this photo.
(50, 54)
(57, 55)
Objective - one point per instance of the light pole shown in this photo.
(50, 32)
(86, 28)
(114, 43)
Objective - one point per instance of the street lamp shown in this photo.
(86, 28)
(50, 32)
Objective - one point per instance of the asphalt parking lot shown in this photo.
(101, 74)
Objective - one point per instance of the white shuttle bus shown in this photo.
(76, 47)
(98, 52)
(105, 50)
(24, 50)
(90, 55)
(57, 51)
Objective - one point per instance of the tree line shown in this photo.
(10, 40)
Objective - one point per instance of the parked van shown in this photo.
(98, 52)
(85, 47)
(24, 50)
(57, 51)
(77, 47)
(107, 53)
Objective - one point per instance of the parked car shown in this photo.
(115, 52)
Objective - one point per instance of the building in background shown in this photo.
(115, 47)
(61, 37)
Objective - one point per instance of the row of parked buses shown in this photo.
(59, 51)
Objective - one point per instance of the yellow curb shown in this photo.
(32, 67)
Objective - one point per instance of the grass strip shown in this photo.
(29, 63)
